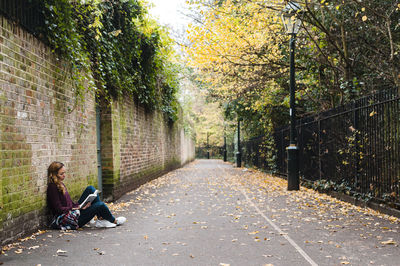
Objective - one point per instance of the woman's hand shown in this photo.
(86, 206)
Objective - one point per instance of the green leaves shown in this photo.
(114, 40)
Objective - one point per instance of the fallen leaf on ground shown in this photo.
(61, 252)
(18, 251)
(389, 242)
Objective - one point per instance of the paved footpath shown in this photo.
(211, 213)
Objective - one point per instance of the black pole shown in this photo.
(208, 148)
(292, 150)
(225, 153)
(238, 154)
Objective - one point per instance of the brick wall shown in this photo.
(42, 121)
(142, 146)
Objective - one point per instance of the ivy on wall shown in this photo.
(115, 41)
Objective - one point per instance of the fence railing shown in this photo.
(356, 146)
(27, 13)
(214, 152)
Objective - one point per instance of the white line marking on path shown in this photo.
(285, 235)
(291, 241)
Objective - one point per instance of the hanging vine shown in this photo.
(124, 50)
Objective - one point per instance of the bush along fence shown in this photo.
(212, 152)
(353, 149)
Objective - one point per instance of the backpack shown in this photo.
(66, 221)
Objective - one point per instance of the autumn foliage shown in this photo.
(346, 49)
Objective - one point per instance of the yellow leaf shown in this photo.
(18, 251)
(372, 113)
(116, 32)
(364, 18)
(389, 242)
(344, 262)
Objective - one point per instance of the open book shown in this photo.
(88, 199)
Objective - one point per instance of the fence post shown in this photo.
(357, 147)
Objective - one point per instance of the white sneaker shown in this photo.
(120, 220)
(92, 223)
(104, 224)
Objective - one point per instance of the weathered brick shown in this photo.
(40, 123)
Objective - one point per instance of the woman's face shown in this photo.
(61, 173)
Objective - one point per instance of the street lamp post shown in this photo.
(208, 146)
(292, 22)
(238, 154)
(225, 152)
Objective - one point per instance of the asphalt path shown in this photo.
(211, 213)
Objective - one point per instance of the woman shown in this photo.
(60, 201)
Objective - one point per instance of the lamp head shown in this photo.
(291, 17)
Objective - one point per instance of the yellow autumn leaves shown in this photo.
(235, 45)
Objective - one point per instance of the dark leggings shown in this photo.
(98, 208)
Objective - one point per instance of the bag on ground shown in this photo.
(66, 221)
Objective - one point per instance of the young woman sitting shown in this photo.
(67, 211)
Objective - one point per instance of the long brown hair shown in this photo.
(52, 177)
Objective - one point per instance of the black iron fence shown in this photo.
(356, 146)
(213, 152)
(26, 13)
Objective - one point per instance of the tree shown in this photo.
(346, 49)
(236, 45)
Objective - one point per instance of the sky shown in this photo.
(169, 12)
